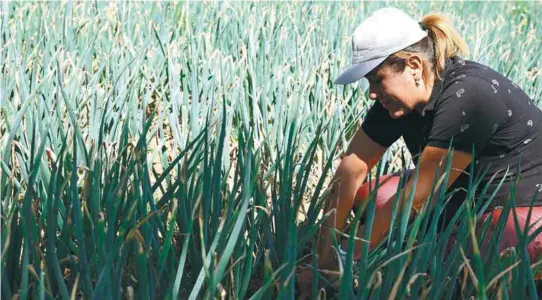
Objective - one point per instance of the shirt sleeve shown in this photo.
(468, 113)
(380, 127)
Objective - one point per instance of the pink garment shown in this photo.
(388, 187)
(510, 238)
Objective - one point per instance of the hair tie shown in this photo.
(422, 26)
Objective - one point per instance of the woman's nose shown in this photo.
(373, 92)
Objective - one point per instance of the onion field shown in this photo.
(183, 150)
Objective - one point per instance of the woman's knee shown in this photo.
(510, 236)
(388, 185)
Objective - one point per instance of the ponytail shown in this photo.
(442, 42)
(447, 42)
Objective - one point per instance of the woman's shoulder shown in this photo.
(482, 82)
(458, 69)
(476, 94)
(467, 85)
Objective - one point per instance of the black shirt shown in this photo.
(476, 106)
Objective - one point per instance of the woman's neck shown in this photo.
(425, 93)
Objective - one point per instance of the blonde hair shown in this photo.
(442, 42)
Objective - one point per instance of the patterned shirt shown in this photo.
(474, 106)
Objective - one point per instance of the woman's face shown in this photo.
(396, 90)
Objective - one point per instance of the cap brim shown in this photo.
(357, 71)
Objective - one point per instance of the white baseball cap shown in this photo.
(384, 32)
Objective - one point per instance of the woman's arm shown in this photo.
(431, 160)
(362, 154)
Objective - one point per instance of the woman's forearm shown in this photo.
(382, 219)
(381, 223)
(339, 203)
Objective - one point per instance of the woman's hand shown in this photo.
(304, 283)
(358, 243)
(305, 278)
(329, 269)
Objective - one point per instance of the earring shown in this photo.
(417, 82)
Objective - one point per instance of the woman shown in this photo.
(424, 92)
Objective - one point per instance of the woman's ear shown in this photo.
(414, 62)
